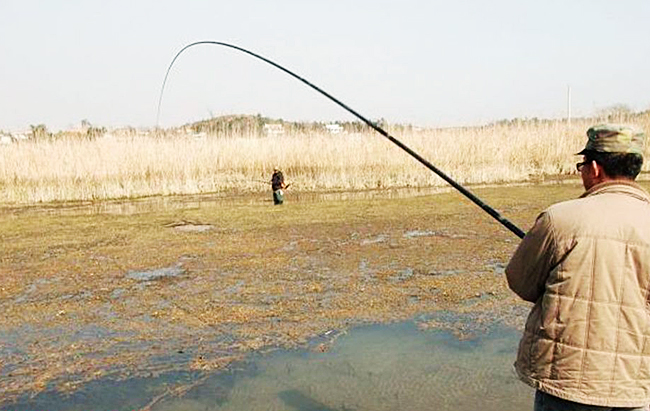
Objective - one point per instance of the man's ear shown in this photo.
(597, 171)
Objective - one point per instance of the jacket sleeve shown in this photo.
(533, 260)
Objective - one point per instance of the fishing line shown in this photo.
(492, 212)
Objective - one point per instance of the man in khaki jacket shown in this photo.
(585, 265)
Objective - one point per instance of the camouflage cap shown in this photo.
(614, 138)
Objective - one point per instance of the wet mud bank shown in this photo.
(402, 365)
(91, 293)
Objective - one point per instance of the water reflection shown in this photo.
(158, 203)
(377, 367)
(189, 201)
(380, 367)
(297, 400)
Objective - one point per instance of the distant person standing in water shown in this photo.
(277, 185)
(585, 265)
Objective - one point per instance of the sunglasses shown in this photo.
(582, 164)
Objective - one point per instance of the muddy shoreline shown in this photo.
(89, 292)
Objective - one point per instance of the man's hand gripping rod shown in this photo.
(509, 225)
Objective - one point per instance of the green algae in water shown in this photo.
(375, 367)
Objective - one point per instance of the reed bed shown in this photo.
(124, 165)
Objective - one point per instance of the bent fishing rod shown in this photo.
(492, 212)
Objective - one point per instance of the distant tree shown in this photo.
(95, 132)
(39, 131)
(616, 112)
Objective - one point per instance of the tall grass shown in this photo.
(129, 166)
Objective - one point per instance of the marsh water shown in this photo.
(399, 366)
(386, 303)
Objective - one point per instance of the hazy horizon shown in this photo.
(433, 64)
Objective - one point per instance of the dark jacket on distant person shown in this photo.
(277, 180)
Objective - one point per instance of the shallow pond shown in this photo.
(157, 307)
(399, 366)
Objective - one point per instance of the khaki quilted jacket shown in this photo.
(586, 266)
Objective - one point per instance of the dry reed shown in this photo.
(121, 165)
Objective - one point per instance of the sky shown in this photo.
(422, 62)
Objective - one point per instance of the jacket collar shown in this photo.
(626, 187)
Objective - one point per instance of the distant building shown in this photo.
(6, 138)
(334, 128)
(9, 138)
(273, 129)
